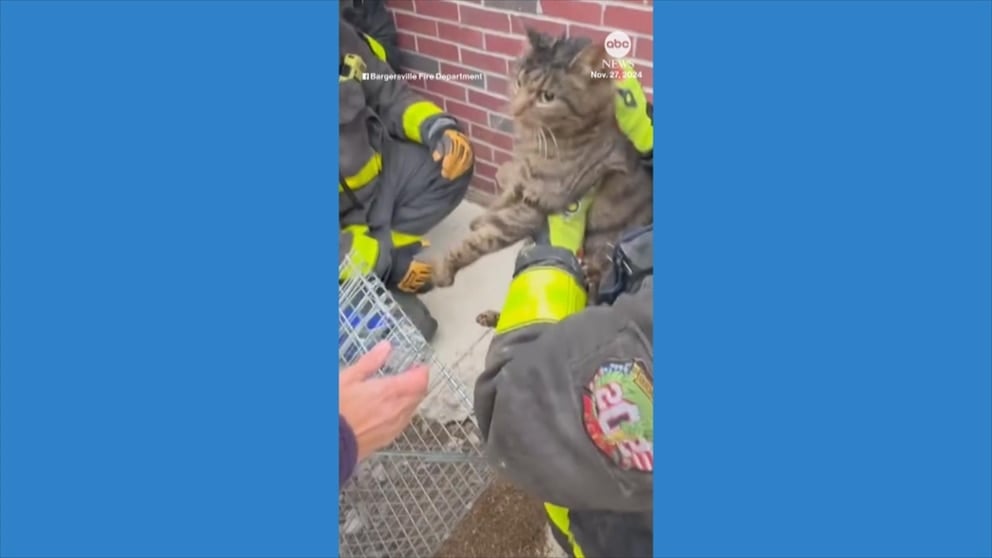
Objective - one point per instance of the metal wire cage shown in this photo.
(406, 500)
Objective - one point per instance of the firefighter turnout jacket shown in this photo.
(566, 400)
(374, 101)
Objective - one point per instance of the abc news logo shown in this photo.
(618, 44)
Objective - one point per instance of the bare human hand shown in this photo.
(379, 409)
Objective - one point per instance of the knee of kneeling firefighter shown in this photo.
(561, 530)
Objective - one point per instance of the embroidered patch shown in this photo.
(618, 407)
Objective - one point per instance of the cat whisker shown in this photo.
(555, 140)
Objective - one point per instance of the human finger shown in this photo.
(404, 407)
(368, 364)
(412, 383)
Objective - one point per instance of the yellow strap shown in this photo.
(559, 516)
(641, 134)
(568, 230)
(415, 115)
(377, 49)
(631, 110)
(540, 295)
(366, 174)
(364, 251)
(403, 239)
(356, 67)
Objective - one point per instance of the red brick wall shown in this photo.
(483, 36)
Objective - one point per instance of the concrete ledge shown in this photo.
(478, 197)
(460, 342)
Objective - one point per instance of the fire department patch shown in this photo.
(618, 406)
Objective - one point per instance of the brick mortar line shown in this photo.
(507, 57)
(491, 146)
(471, 85)
(647, 90)
(500, 55)
(542, 17)
(636, 7)
(416, 35)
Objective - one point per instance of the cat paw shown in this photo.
(506, 175)
(442, 275)
(594, 276)
(531, 198)
(489, 318)
(518, 191)
(592, 285)
(476, 223)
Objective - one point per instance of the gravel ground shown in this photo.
(504, 523)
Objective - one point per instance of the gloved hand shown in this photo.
(452, 149)
(406, 272)
(548, 284)
(632, 113)
(400, 270)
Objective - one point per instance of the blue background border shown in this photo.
(169, 279)
(823, 303)
(168, 333)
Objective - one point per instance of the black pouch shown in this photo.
(633, 260)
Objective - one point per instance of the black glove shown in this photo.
(407, 273)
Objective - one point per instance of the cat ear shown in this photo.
(534, 38)
(589, 58)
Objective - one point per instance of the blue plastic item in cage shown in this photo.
(366, 333)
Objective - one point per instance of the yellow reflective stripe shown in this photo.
(559, 516)
(403, 239)
(565, 236)
(634, 121)
(414, 116)
(366, 174)
(377, 49)
(568, 230)
(364, 251)
(540, 295)
(641, 134)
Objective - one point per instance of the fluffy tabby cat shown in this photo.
(566, 144)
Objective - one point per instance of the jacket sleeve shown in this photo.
(405, 113)
(347, 451)
(565, 407)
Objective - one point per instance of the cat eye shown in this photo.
(547, 96)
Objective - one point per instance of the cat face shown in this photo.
(558, 84)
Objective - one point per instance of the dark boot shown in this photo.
(417, 311)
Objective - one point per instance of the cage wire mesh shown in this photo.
(407, 499)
